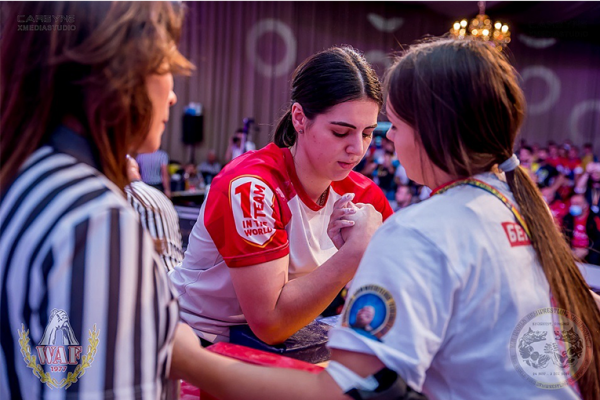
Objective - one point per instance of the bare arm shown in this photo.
(214, 373)
(276, 307)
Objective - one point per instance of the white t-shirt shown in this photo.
(256, 211)
(440, 292)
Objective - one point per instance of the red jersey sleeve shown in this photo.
(245, 216)
(365, 191)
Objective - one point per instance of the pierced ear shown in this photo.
(298, 117)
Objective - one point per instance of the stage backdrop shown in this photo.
(246, 52)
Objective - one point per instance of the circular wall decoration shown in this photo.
(279, 28)
(537, 71)
(378, 57)
(536, 43)
(579, 111)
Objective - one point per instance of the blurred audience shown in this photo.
(589, 186)
(210, 167)
(238, 145)
(403, 198)
(546, 174)
(588, 155)
(570, 185)
(582, 230)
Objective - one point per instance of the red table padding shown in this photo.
(251, 356)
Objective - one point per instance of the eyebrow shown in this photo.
(347, 125)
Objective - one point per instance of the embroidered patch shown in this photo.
(371, 312)
(515, 234)
(252, 206)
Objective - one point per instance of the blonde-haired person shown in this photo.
(453, 278)
(82, 86)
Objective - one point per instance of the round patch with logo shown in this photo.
(371, 312)
(551, 348)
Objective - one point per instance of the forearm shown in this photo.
(302, 300)
(226, 378)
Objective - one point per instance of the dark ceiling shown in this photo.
(577, 20)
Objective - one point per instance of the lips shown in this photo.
(345, 165)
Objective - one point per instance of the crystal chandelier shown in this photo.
(481, 28)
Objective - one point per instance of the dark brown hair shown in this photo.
(463, 100)
(324, 80)
(95, 73)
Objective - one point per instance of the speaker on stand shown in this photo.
(192, 129)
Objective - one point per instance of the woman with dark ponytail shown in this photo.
(472, 294)
(270, 249)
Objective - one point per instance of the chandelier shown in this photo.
(481, 28)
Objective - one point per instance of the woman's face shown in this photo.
(160, 92)
(408, 148)
(334, 142)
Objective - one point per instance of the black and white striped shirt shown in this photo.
(71, 246)
(159, 217)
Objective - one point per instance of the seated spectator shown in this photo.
(154, 172)
(558, 207)
(384, 174)
(400, 177)
(403, 198)
(588, 155)
(582, 230)
(157, 215)
(573, 168)
(210, 167)
(553, 156)
(589, 186)
(368, 165)
(526, 159)
(546, 174)
(193, 179)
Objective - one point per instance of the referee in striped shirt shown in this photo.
(157, 214)
(86, 308)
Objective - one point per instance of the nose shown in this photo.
(172, 98)
(355, 144)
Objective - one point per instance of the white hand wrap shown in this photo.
(348, 379)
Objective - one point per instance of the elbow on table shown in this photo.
(272, 333)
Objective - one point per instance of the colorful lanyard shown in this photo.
(490, 189)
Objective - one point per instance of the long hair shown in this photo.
(92, 70)
(324, 80)
(463, 100)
